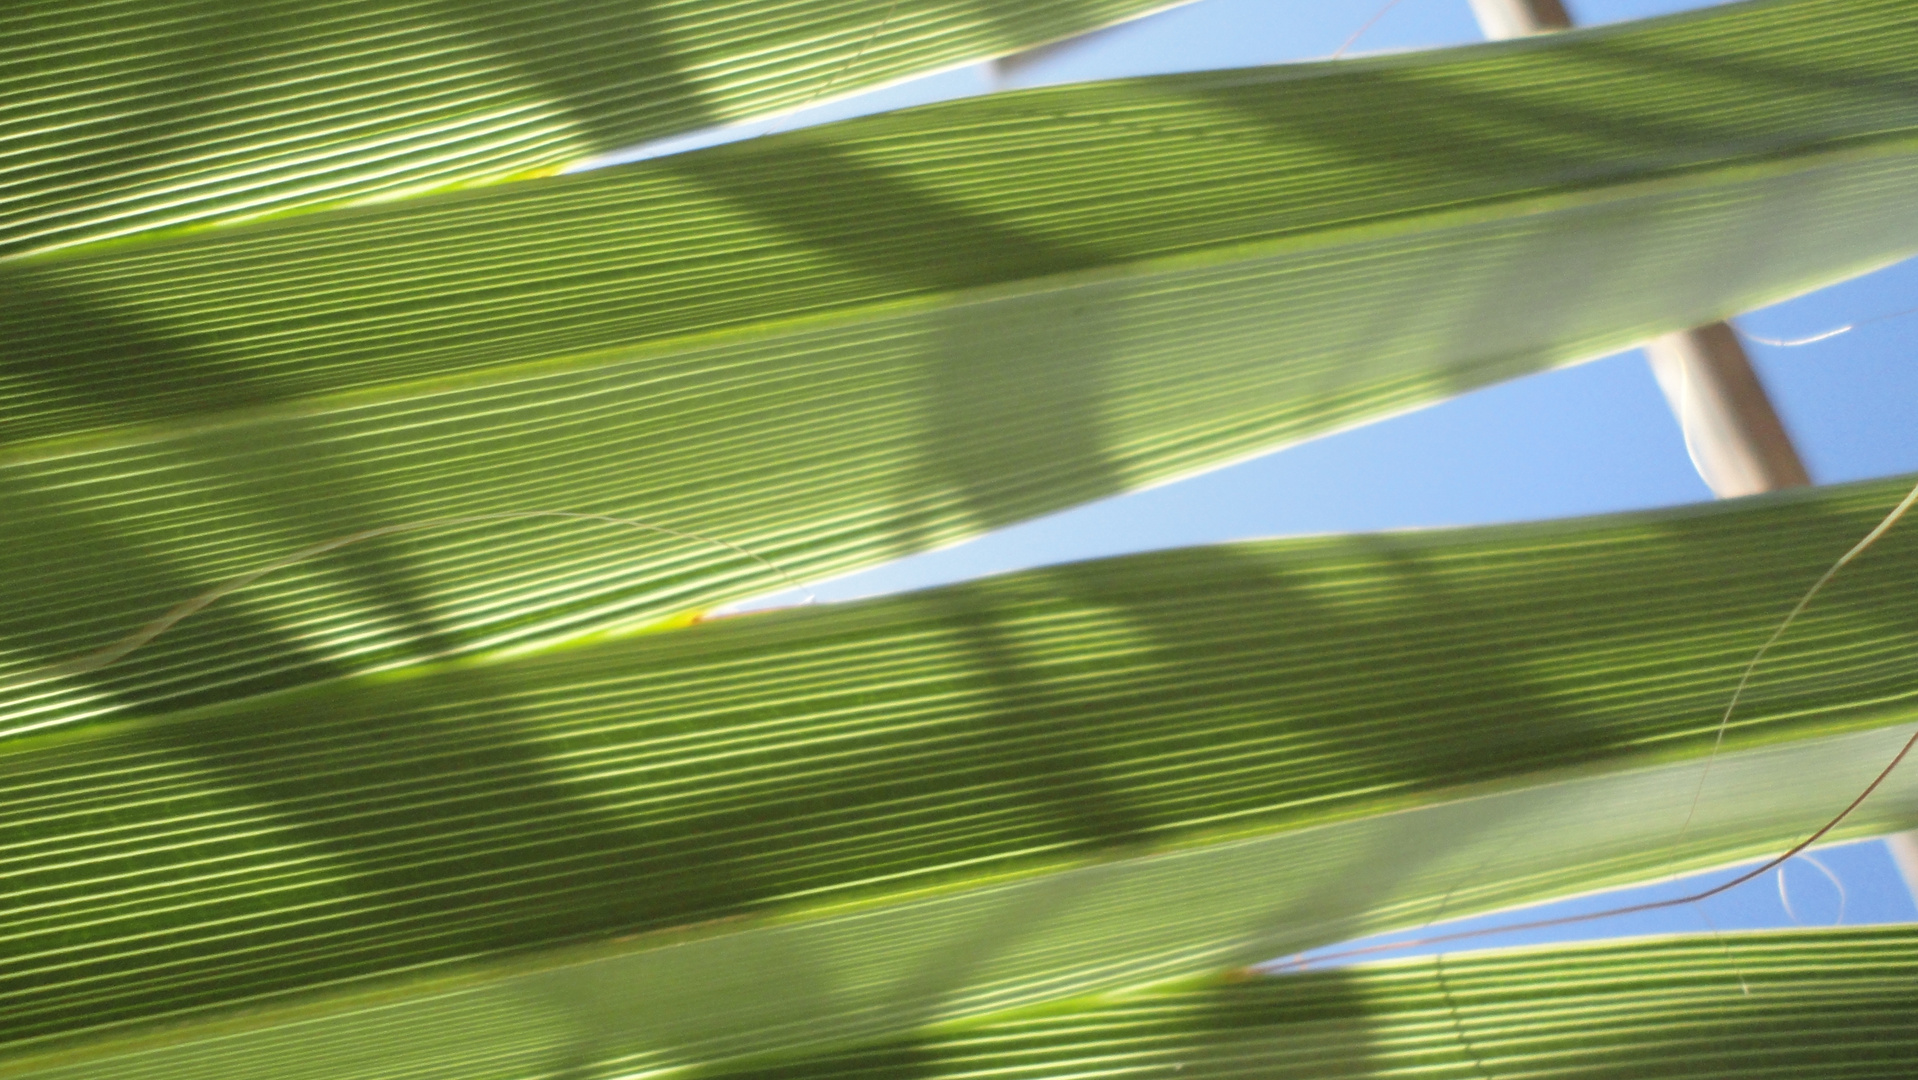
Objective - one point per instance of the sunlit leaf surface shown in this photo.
(119, 116)
(1742, 1005)
(852, 342)
(828, 823)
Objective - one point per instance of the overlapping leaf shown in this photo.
(852, 342)
(1743, 1005)
(828, 823)
(126, 115)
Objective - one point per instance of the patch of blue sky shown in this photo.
(1819, 889)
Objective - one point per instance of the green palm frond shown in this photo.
(130, 115)
(425, 806)
(1820, 1005)
(945, 804)
(881, 336)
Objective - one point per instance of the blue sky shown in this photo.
(1592, 438)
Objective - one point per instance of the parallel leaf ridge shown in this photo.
(841, 345)
(1828, 1004)
(125, 116)
(760, 765)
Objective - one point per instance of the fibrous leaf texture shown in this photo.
(831, 823)
(843, 344)
(123, 116)
(420, 807)
(1803, 1005)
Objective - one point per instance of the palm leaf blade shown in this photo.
(887, 335)
(1834, 1004)
(944, 805)
(127, 118)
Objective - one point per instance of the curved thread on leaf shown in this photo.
(1784, 895)
(1812, 339)
(1768, 866)
(1632, 909)
(1744, 678)
(109, 654)
(1360, 32)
